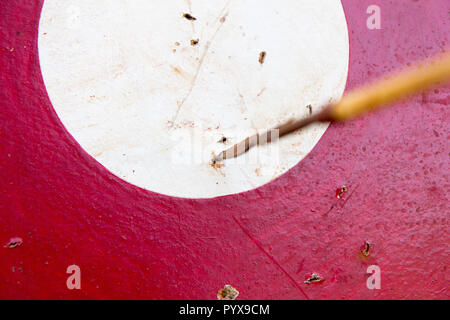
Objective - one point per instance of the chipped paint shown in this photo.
(227, 293)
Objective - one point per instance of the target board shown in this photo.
(113, 110)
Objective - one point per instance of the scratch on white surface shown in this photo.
(221, 18)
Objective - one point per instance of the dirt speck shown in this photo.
(227, 293)
(261, 92)
(180, 72)
(194, 42)
(262, 57)
(176, 70)
(216, 164)
(189, 17)
(309, 108)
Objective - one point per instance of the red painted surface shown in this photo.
(132, 243)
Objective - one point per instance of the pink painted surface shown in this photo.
(131, 243)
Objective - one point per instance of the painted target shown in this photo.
(111, 111)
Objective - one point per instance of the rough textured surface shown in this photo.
(131, 243)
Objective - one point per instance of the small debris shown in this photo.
(223, 140)
(314, 278)
(189, 17)
(261, 92)
(194, 42)
(227, 293)
(177, 44)
(262, 57)
(309, 108)
(340, 192)
(365, 250)
(222, 20)
(13, 242)
(216, 164)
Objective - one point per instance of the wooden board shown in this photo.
(129, 242)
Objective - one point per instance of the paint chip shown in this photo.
(340, 192)
(227, 293)
(13, 242)
(314, 278)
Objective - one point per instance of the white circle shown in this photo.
(152, 107)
